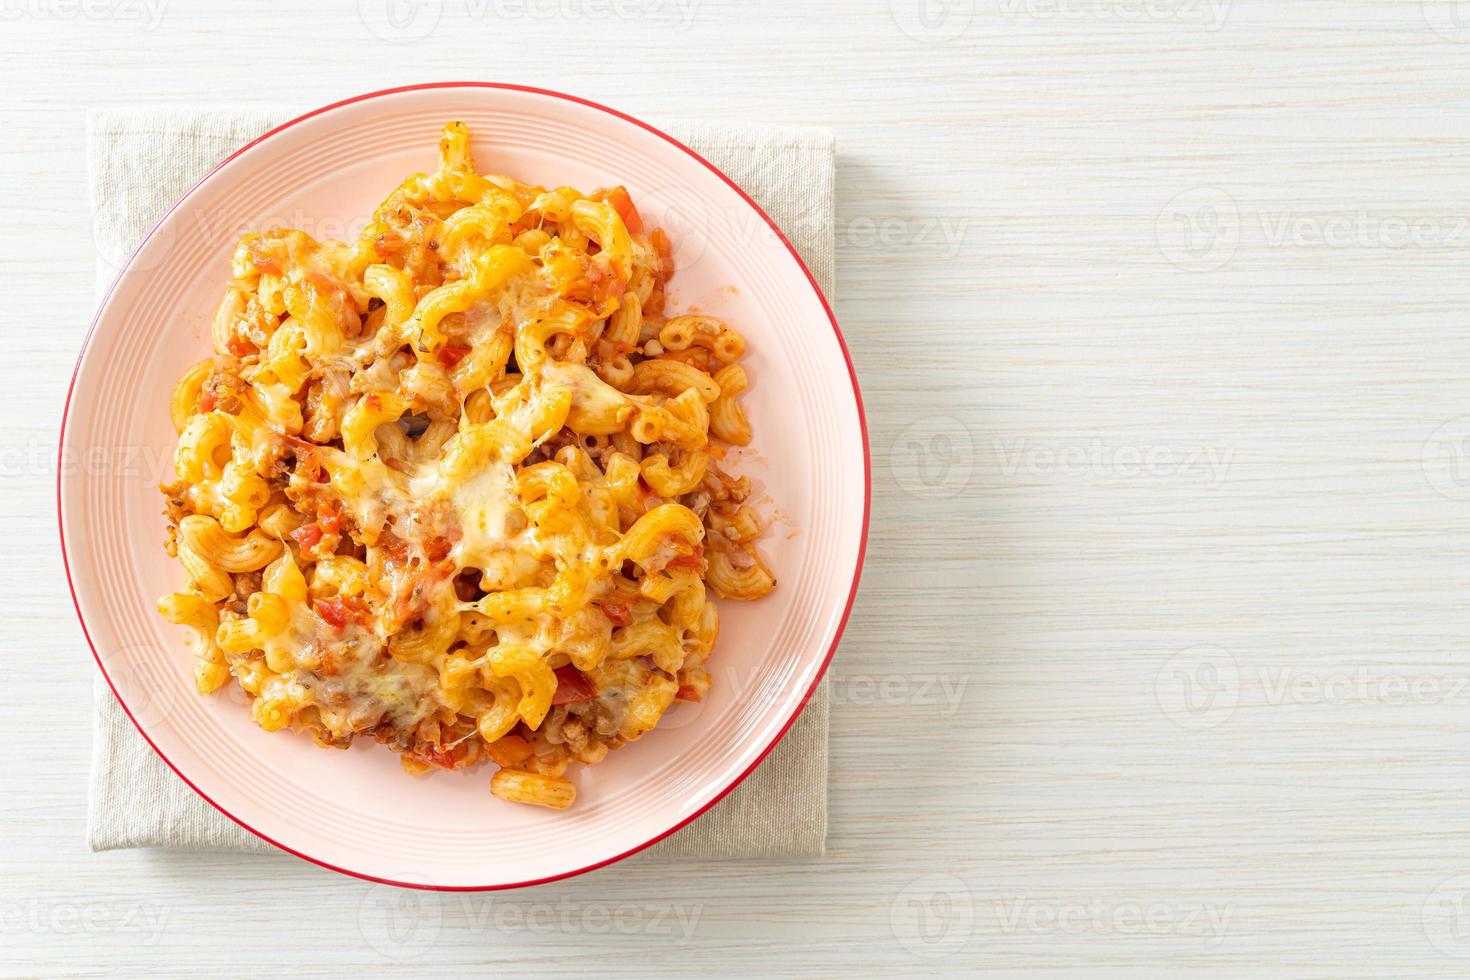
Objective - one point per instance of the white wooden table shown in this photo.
(1162, 314)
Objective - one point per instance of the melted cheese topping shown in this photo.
(400, 471)
(365, 687)
(596, 405)
(484, 506)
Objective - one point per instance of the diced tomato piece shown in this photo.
(395, 552)
(334, 611)
(330, 520)
(617, 612)
(687, 693)
(452, 354)
(307, 536)
(442, 758)
(694, 561)
(623, 205)
(207, 401)
(572, 686)
(239, 346)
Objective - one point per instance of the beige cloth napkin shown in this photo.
(139, 162)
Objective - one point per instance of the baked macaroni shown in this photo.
(458, 486)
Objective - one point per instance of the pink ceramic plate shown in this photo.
(356, 811)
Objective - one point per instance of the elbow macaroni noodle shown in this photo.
(458, 486)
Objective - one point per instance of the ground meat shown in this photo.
(246, 584)
(225, 390)
(574, 734)
(275, 469)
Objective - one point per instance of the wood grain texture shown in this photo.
(1160, 661)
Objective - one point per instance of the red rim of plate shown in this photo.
(862, 425)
